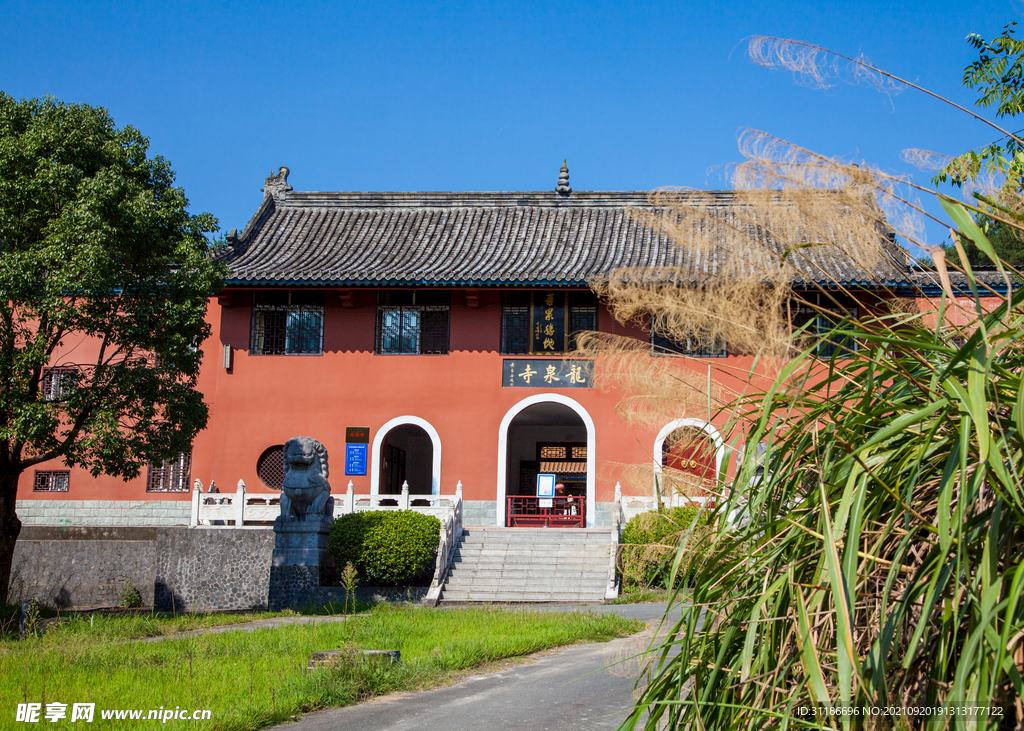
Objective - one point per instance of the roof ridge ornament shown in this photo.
(563, 181)
(277, 185)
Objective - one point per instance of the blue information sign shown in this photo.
(355, 459)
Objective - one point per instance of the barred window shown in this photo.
(545, 322)
(515, 322)
(58, 383)
(287, 323)
(51, 481)
(829, 344)
(582, 315)
(693, 347)
(413, 322)
(170, 476)
(270, 466)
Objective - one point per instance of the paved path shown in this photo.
(572, 688)
(271, 623)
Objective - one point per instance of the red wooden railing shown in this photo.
(565, 512)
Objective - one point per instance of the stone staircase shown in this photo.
(530, 565)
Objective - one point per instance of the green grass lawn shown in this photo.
(250, 680)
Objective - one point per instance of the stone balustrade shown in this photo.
(233, 509)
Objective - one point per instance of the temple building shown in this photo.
(426, 340)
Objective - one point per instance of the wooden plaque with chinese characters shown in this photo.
(545, 373)
(547, 323)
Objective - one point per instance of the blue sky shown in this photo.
(489, 96)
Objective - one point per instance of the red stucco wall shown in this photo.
(263, 400)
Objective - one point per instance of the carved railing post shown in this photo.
(240, 505)
(612, 590)
(403, 502)
(617, 517)
(350, 500)
(197, 492)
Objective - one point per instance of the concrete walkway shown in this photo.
(571, 688)
(272, 623)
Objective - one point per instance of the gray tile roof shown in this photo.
(480, 240)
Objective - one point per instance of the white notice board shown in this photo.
(545, 489)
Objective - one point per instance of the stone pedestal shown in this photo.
(299, 562)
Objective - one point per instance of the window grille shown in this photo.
(170, 476)
(829, 344)
(287, 323)
(692, 347)
(413, 322)
(270, 466)
(58, 383)
(582, 315)
(581, 319)
(51, 481)
(515, 322)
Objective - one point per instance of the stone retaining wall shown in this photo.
(207, 569)
(81, 567)
(181, 569)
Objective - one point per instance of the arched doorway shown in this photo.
(406, 449)
(550, 434)
(688, 454)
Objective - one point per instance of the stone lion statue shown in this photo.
(305, 491)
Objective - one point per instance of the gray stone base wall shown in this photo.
(183, 569)
(207, 569)
(479, 512)
(174, 569)
(105, 512)
(73, 568)
(603, 515)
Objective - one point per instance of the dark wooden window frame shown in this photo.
(51, 481)
(58, 383)
(170, 476)
(823, 323)
(666, 347)
(413, 322)
(287, 323)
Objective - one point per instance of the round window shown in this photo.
(270, 466)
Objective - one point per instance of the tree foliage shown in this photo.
(996, 169)
(104, 273)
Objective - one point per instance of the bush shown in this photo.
(131, 597)
(389, 548)
(650, 540)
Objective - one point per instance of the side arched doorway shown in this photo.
(546, 434)
(406, 449)
(688, 454)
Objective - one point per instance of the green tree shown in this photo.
(998, 76)
(96, 244)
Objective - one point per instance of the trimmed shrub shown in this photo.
(649, 544)
(389, 548)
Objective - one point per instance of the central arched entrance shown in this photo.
(551, 434)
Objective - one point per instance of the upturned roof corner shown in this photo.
(276, 186)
